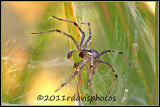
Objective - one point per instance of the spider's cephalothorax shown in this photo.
(87, 52)
(82, 53)
(89, 56)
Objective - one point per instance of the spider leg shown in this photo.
(76, 43)
(90, 35)
(70, 53)
(91, 71)
(83, 34)
(76, 64)
(116, 76)
(89, 38)
(78, 69)
(93, 92)
(103, 52)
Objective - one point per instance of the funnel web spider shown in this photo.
(90, 56)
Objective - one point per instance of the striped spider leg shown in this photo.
(73, 75)
(115, 74)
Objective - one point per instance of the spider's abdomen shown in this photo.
(94, 52)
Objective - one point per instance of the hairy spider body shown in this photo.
(91, 57)
(90, 53)
(95, 63)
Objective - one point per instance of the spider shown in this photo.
(90, 56)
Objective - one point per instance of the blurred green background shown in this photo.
(35, 65)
